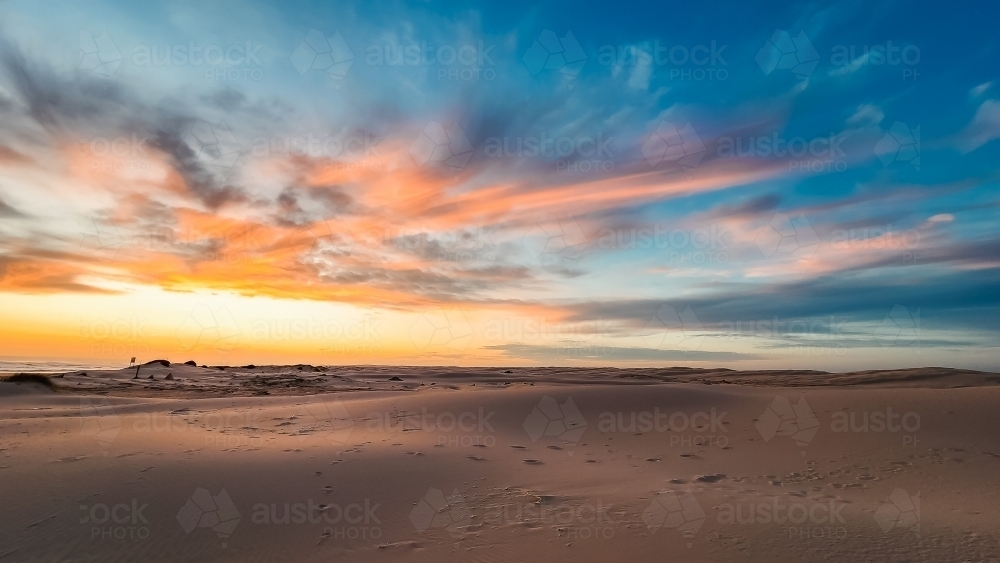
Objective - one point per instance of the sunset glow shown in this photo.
(340, 186)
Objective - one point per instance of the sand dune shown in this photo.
(158, 379)
(278, 463)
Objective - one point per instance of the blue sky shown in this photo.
(745, 184)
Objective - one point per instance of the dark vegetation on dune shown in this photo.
(30, 378)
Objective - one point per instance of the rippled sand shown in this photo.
(311, 463)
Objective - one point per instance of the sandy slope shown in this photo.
(481, 465)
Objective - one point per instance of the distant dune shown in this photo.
(190, 379)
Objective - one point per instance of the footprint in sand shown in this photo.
(715, 478)
(519, 447)
(554, 448)
(476, 458)
(71, 458)
(532, 461)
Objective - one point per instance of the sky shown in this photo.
(742, 184)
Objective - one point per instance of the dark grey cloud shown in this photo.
(611, 354)
(8, 212)
(750, 208)
(447, 285)
(85, 106)
(321, 203)
(969, 299)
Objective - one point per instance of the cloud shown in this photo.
(981, 89)
(79, 106)
(9, 212)
(639, 77)
(866, 114)
(985, 127)
(10, 156)
(614, 354)
(851, 67)
(958, 299)
(40, 276)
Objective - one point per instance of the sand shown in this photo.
(313, 463)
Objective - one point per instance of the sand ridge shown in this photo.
(172, 379)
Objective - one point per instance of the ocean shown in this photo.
(19, 365)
